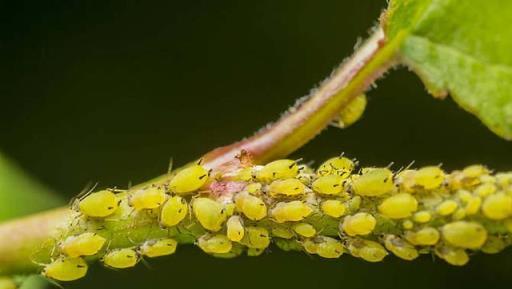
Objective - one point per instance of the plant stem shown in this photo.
(21, 237)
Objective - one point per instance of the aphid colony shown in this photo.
(367, 213)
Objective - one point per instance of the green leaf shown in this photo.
(463, 48)
(19, 194)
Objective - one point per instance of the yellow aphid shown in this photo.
(173, 211)
(459, 214)
(235, 228)
(406, 180)
(398, 206)
(280, 169)
(290, 211)
(66, 269)
(497, 206)
(253, 188)
(367, 250)
(286, 188)
(447, 207)
(310, 246)
(340, 166)
(333, 208)
(425, 237)
(243, 174)
(7, 283)
(304, 229)
(148, 198)
(85, 244)
(254, 252)
(215, 244)
(210, 214)
(407, 224)
(328, 247)
(256, 237)
(330, 185)
(485, 190)
(493, 245)
(453, 256)
(352, 112)
(100, 204)
(354, 203)
(157, 248)
(251, 206)
(475, 171)
(189, 179)
(400, 248)
(121, 258)
(359, 224)
(473, 205)
(373, 182)
(469, 235)
(429, 177)
(282, 232)
(422, 217)
(504, 179)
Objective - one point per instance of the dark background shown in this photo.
(108, 91)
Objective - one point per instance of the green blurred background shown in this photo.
(107, 91)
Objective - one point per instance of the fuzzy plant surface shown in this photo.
(241, 198)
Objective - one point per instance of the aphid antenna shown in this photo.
(390, 165)
(88, 188)
(171, 162)
(410, 165)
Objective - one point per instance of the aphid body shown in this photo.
(399, 206)
(85, 244)
(148, 198)
(121, 258)
(66, 269)
(373, 182)
(99, 204)
(359, 224)
(189, 179)
(210, 214)
(157, 248)
(290, 211)
(173, 211)
(286, 188)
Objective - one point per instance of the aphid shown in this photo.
(473, 205)
(400, 248)
(330, 185)
(459, 214)
(286, 188)
(282, 232)
(354, 203)
(429, 178)
(497, 206)
(7, 283)
(469, 235)
(327, 247)
(333, 208)
(367, 250)
(214, 244)
(453, 256)
(447, 207)
(407, 224)
(235, 228)
(157, 248)
(256, 237)
(189, 179)
(406, 180)
(422, 217)
(304, 229)
(485, 190)
(311, 247)
(373, 182)
(254, 252)
(148, 198)
(398, 206)
(100, 204)
(290, 211)
(85, 244)
(359, 224)
(173, 211)
(280, 169)
(493, 245)
(210, 214)
(504, 179)
(243, 174)
(427, 236)
(251, 206)
(66, 269)
(340, 166)
(121, 258)
(475, 171)
(352, 111)
(253, 188)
